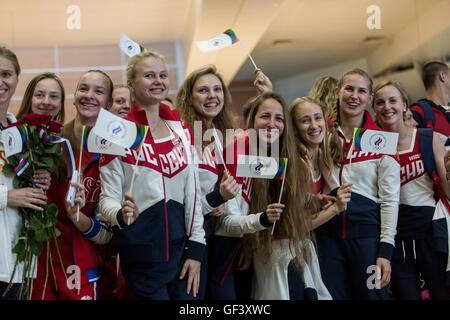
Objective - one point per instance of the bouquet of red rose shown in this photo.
(42, 149)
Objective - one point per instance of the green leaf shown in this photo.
(41, 235)
(49, 163)
(34, 223)
(53, 148)
(19, 249)
(36, 247)
(8, 170)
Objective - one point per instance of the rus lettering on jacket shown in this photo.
(411, 170)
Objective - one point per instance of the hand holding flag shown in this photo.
(264, 168)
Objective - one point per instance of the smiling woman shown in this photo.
(44, 95)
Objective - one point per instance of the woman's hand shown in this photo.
(228, 188)
(274, 211)
(383, 266)
(80, 201)
(42, 179)
(32, 198)
(130, 211)
(217, 212)
(262, 82)
(343, 196)
(192, 268)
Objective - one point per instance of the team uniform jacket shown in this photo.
(10, 223)
(208, 173)
(373, 209)
(74, 246)
(419, 214)
(166, 190)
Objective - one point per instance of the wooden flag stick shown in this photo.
(79, 166)
(281, 191)
(253, 61)
(135, 166)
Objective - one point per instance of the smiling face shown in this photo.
(354, 95)
(269, 121)
(151, 81)
(121, 101)
(8, 81)
(208, 96)
(310, 122)
(389, 106)
(91, 95)
(47, 98)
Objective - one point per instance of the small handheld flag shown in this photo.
(95, 144)
(375, 141)
(223, 40)
(119, 131)
(261, 167)
(128, 46)
(21, 166)
(14, 140)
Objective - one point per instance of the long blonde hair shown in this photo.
(323, 90)
(295, 222)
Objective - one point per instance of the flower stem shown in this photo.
(46, 270)
(53, 270)
(12, 277)
(59, 254)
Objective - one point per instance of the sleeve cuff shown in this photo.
(195, 250)
(94, 229)
(3, 196)
(214, 198)
(264, 220)
(385, 250)
(121, 223)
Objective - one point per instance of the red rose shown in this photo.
(54, 126)
(35, 119)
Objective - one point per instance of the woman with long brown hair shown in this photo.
(256, 208)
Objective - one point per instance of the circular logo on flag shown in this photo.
(102, 144)
(216, 43)
(116, 130)
(258, 166)
(129, 45)
(10, 142)
(377, 141)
